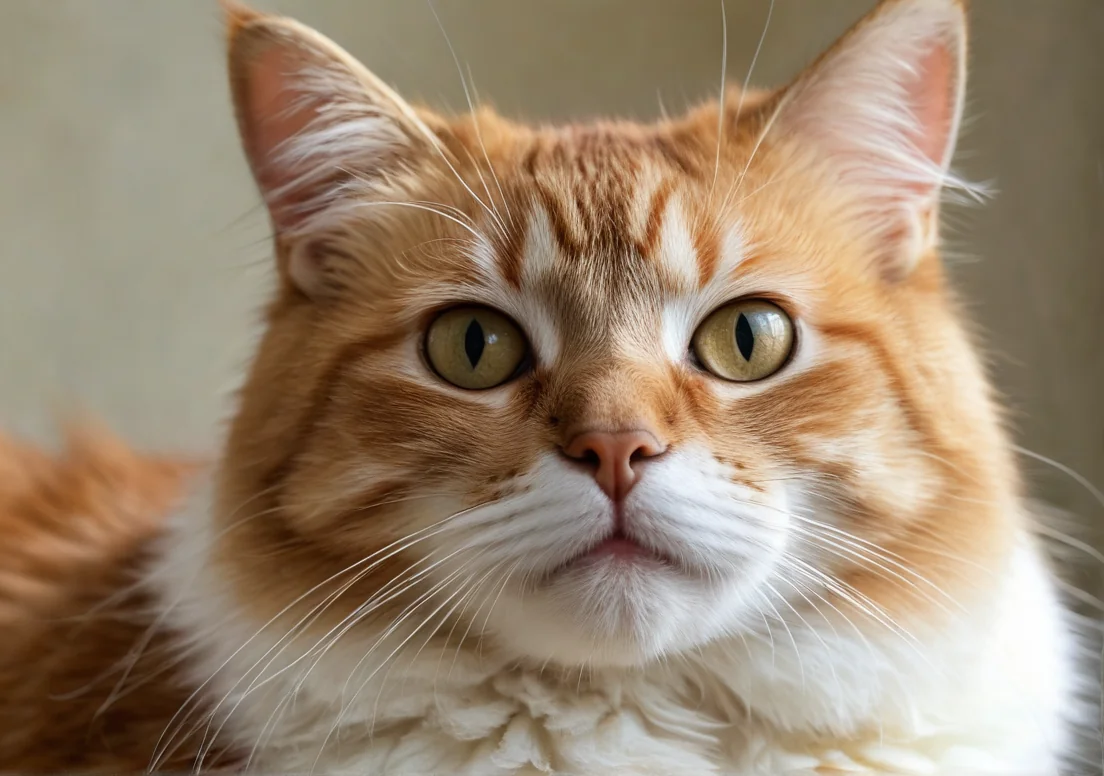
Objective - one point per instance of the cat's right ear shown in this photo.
(317, 128)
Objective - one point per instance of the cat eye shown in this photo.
(745, 340)
(475, 347)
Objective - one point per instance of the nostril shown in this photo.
(613, 458)
(647, 448)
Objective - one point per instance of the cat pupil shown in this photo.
(474, 342)
(745, 339)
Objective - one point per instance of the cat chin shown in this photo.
(610, 614)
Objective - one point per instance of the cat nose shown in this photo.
(612, 455)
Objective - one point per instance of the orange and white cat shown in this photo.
(597, 448)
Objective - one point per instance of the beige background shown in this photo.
(133, 255)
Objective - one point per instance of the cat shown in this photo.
(597, 448)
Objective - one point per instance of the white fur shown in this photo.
(675, 251)
(538, 259)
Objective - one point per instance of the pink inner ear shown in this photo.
(277, 113)
(933, 100)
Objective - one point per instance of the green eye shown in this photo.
(745, 340)
(475, 347)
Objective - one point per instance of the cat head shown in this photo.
(600, 393)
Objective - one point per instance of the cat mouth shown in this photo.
(617, 548)
(622, 547)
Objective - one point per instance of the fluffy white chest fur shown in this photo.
(986, 696)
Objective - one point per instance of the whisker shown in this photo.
(865, 605)
(721, 99)
(781, 619)
(888, 556)
(763, 133)
(860, 555)
(471, 590)
(754, 60)
(427, 208)
(1075, 476)
(854, 547)
(471, 621)
(831, 664)
(475, 120)
(800, 567)
(479, 136)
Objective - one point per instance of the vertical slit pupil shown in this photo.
(474, 342)
(745, 338)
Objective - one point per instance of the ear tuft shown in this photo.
(883, 106)
(238, 15)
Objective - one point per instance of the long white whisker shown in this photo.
(417, 206)
(847, 545)
(490, 166)
(261, 679)
(763, 133)
(800, 567)
(754, 60)
(1075, 476)
(393, 588)
(471, 621)
(781, 619)
(827, 650)
(471, 589)
(855, 552)
(283, 643)
(865, 605)
(475, 121)
(720, 100)
(410, 609)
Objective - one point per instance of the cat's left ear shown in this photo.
(883, 107)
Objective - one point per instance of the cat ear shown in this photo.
(883, 107)
(315, 125)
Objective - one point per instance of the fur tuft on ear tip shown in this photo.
(237, 16)
(959, 6)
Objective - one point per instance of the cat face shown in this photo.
(600, 394)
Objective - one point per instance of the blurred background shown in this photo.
(133, 251)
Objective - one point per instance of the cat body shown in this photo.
(610, 447)
(85, 684)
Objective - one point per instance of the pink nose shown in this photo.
(612, 455)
